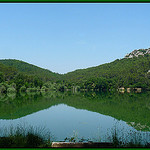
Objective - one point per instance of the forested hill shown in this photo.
(7, 72)
(131, 71)
(29, 69)
(127, 72)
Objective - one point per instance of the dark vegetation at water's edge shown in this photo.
(33, 137)
(25, 137)
(132, 72)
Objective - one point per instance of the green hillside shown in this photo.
(7, 72)
(131, 71)
(16, 75)
(30, 69)
(126, 72)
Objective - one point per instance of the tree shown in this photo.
(1, 77)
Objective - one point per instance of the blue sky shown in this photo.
(65, 37)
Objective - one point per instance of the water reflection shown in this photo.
(89, 115)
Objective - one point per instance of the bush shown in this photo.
(11, 90)
(2, 89)
(25, 137)
(33, 140)
(44, 89)
(23, 89)
(32, 89)
(13, 85)
(6, 142)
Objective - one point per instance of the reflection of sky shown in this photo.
(63, 121)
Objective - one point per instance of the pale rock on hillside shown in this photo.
(139, 52)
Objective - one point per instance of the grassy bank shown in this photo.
(34, 137)
(132, 139)
(24, 137)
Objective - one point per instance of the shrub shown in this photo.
(2, 89)
(23, 89)
(33, 140)
(13, 85)
(25, 137)
(44, 89)
(11, 90)
(32, 89)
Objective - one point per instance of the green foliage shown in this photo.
(25, 138)
(2, 89)
(30, 69)
(23, 89)
(61, 87)
(13, 85)
(1, 77)
(7, 72)
(27, 80)
(33, 140)
(50, 86)
(31, 90)
(119, 73)
(11, 95)
(44, 89)
(11, 90)
(5, 84)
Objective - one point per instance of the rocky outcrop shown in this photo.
(136, 53)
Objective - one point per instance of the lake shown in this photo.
(83, 115)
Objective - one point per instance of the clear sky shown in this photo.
(64, 37)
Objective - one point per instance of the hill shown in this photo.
(17, 74)
(7, 72)
(30, 69)
(134, 72)
(131, 71)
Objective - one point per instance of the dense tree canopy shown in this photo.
(30, 69)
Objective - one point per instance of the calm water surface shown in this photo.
(84, 115)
